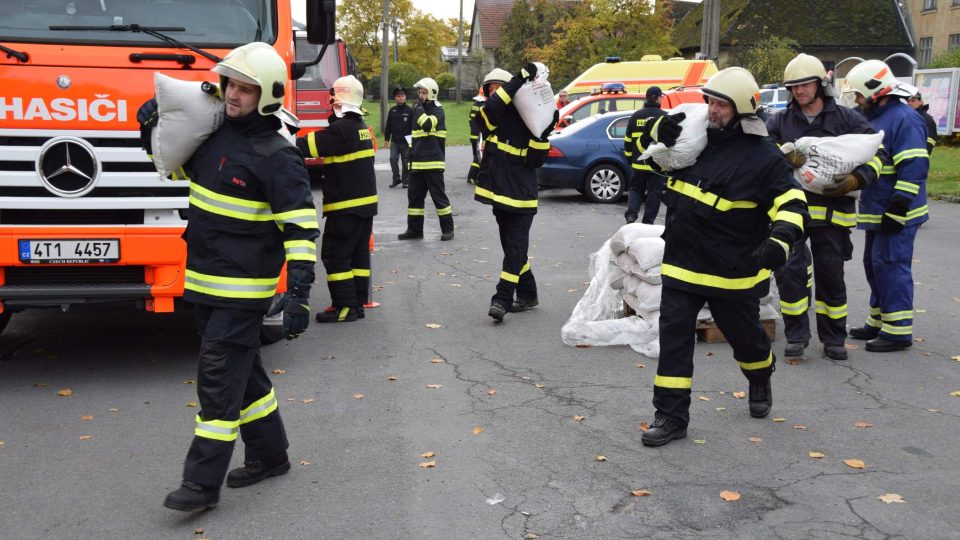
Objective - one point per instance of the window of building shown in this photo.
(954, 42)
(930, 5)
(955, 3)
(926, 51)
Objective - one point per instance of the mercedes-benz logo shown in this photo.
(63, 82)
(68, 166)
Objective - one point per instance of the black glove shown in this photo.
(895, 217)
(772, 254)
(147, 115)
(553, 123)
(296, 315)
(528, 72)
(667, 129)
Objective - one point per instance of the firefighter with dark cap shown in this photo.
(427, 163)
(731, 219)
(250, 210)
(399, 126)
(813, 112)
(647, 181)
(892, 208)
(507, 181)
(349, 201)
(495, 79)
(916, 101)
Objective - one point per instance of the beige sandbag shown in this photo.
(186, 118)
(534, 101)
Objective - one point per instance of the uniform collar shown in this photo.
(253, 123)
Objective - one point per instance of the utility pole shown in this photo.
(460, 53)
(384, 69)
(710, 32)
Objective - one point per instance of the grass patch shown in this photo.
(944, 177)
(455, 116)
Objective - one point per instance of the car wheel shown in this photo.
(604, 183)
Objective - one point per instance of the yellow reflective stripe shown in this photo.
(537, 145)
(312, 144)
(220, 430)
(504, 95)
(875, 164)
(418, 133)
(353, 156)
(300, 250)
(868, 218)
(844, 219)
(931, 141)
(680, 383)
(896, 330)
(628, 153)
(817, 212)
(897, 316)
(794, 308)
(230, 287)
(483, 113)
(508, 148)
(416, 212)
(305, 218)
(526, 268)
(225, 205)
(361, 272)
(873, 322)
(427, 165)
(888, 169)
(259, 408)
(424, 118)
(517, 203)
(784, 245)
(340, 276)
(655, 131)
(350, 203)
(785, 197)
(445, 211)
(752, 366)
(917, 212)
(708, 199)
(708, 280)
(909, 187)
(874, 310)
(834, 312)
(899, 219)
(912, 153)
(790, 217)
(507, 276)
(343, 313)
(641, 167)
(474, 137)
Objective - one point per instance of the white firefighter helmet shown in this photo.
(498, 75)
(347, 95)
(256, 63)
(805, 68)
(430, 85)
(737, 86)
(873, 80)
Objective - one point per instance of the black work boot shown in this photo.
(662, 431)
(497, 312)
(255, 471)
(523, 304)
(880, 344)
(361, 313)
(338, 314)
(761, 398)
(864, 332)
(835, 352)
(395, 183)
(191, 497)
(447, 235)
(410, 235)
(794, 349)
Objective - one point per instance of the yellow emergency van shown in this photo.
(650, 70)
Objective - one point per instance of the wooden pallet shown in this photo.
(709, 333)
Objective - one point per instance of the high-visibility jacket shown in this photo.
(250, 209)
(739, 192)
(931, 127)
(475, 120)
(905, 138)
(790, 124)
(428, 151)
(511, 154)
(349, 181)
(636, 139)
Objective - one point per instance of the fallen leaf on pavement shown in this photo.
(919, 339)
(578, 418)
(730, 496)
(433, 325)
(582, 346)
(87, 417)
(541, 386)
(392, 378)
(641, 366)
(933, 410)
(525, 378)
(308, 400)
(850, 346)
(644, 426)
(189, 381)
(40, 384)
(279, 371)
(2, 443)
(955, 394)
(428, 464)
(918, 310)
(855, 464)
(709, 354)
(891, 498)
(600, 457)
(358, 396)
(428, 455)
(198, 530)
(304, 462)
(957, 358)
(794, 361)
(86, 437)
(491, 392)
(456, 285)
(816, 455)
(113, 409)
(640, 493)
(434, 386)
(754, 439)
(703, 398)
(477, 430)
(862, 424)
(573, 290)
(436, 360)
(191, 404)
(721, 408)
(532, 536)
(66, 392)
(739, 395)
(778, 420)
(799, 426)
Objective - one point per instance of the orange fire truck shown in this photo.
(84, 216)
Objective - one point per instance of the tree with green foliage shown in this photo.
(595, 29)
(446, 80)
(404, 74)
(527, 29)
(421, 40)
(358, 22)
(948, 59)
(767, 59)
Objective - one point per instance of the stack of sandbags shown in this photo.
(638, 250)
(767, 310)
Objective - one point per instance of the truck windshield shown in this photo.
(207, 23)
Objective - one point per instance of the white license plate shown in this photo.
(69, 251)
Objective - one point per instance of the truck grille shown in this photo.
(73, 275)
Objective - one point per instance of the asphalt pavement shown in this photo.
(527, 437)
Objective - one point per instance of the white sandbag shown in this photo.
(639, 308)
(829, 159)
(628, 233)
(647, 251)
(534, 101)
(690, 143)
(646, 296)
(627, 263)
(187, 117)
(767, 312)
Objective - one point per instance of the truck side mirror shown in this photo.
(321, 21)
